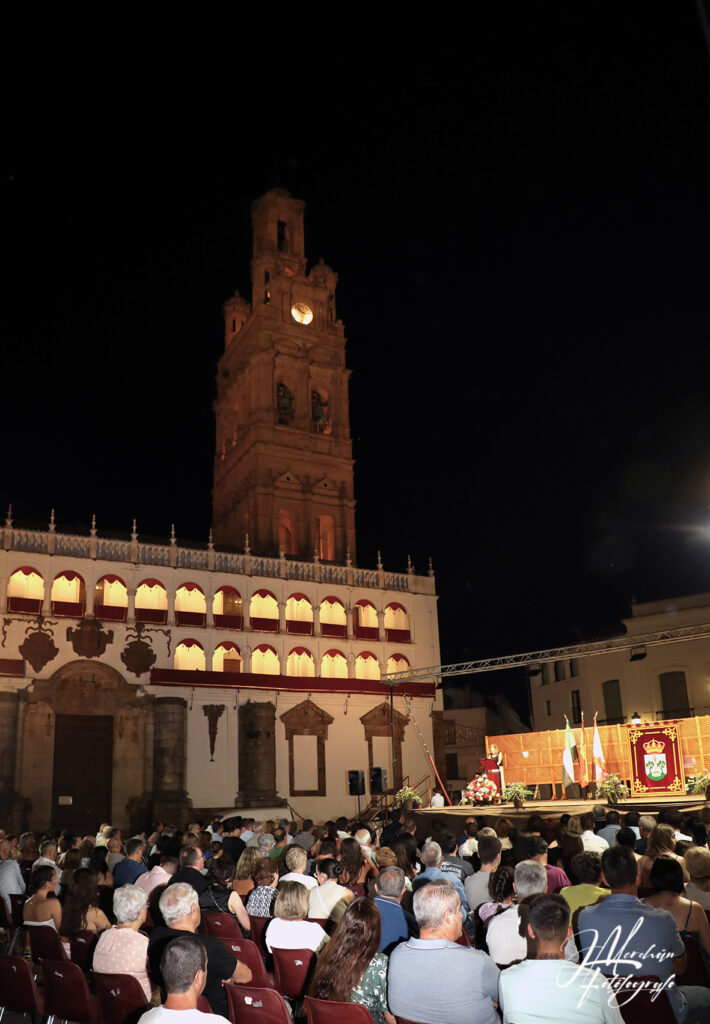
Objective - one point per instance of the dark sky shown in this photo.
(519, 211)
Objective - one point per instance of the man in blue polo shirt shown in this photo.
(624, 937)
(397, 924)
(132, 866)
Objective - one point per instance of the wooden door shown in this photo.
(83, 760)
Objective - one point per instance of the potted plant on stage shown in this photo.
(407, 798)
(517, 792)
(699, 784)
(612, 788)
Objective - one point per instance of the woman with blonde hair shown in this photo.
(243, 882)
(697, 864)
(661, 843)
(289, 928)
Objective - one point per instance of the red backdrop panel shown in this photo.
(656, 760)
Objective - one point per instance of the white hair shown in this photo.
(431, 854)
(177, 901)
(128, 901)
(530, 878)
(362, 836)
(266, 841)
(432, 901)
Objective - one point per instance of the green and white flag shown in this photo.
(568, 757)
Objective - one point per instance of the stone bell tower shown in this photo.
(283, 465)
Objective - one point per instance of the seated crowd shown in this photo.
(498, 923)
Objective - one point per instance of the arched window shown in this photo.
(68, 594)
(227, 609)
(333, 621)
(366, 626)
(396, 623)
(397, 663)
(25, 591)
(367, 666)
(264, 612)
(190, 656)
(326, 538)
(300, 663)
(190, 605)
(286, 539)
(111, 598)
(151, 602)
(265, 661)
(227, 658)
(334, 665)
(299, 615)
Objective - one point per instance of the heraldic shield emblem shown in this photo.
(654, 760)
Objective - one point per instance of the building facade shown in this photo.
(142, 680)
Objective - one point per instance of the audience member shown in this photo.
(689, 916)
(289, 928)
(158, 875)
(537, 851)
(184, 968)
(296, 859)
(243, 883)
(357, 867)
(191, 863)
(476, 885)
(661, 843)
(587, 867)
(11, 881)
(219, 897)
(647, 823)
(43, 907)
(305, 838)
(501, 890)
(123, 949)
(329, 899)
(613, 824)
(697, 864)
(132, 866)
(397, 924)
(591, 842)
(48, 858)
(450, 862)
(261, 899)
(80, 910)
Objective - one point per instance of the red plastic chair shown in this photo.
(82, 945)
(646, 1007)
(463, 939)
(45, 944)
(248, 1004)
(17, 902)
(222, 925)
(257, 927)
(121, 998)
(66, 993)
(292, 970)
(18, 990)
(695, 972)
(203, 1006)
(9, 931)
(322, 1011)
(246, 951)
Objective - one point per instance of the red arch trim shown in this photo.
(109, 577)
(364, 602)
(227, 590)
(300, 651)
(299, 597)
(263, 593)
(266, 647)
(189, 642)
(227, 645)
(334, 654)
(366, 654)
(150, 582)
(397, 606)
(69, 574)
(26, 570)
(332, 600)
(189, 587)
(398, 657)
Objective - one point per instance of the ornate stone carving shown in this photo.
(89, 639)
(213, 713)
(38, 646)
(138, 655)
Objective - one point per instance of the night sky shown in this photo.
(519, 211)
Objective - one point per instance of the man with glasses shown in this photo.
(190, 870)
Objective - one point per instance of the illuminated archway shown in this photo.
(333, 620)
(397, 663)
(227, 658)
(396, 623)
(334, 665)
(190, 605)
(300, 663)
(68, 594)
(367, 666)
(264, 612)
(228, 609)
(25, 591)
(110, 598)
(151, 601)
(299, 615)
(190, 656)
(366, 625)
(265, 661)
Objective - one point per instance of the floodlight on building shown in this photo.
(636, 718)
(637, 654)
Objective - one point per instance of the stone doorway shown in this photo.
(82, 775)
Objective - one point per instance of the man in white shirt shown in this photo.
(437, 800)
(549, 987)
(48, 857)
(183, 966)
(11, 881)
(591, 842)
(296, 859)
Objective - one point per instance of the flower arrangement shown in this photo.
(612, 787)
(407, 795)
(480, 790)
(697, 783)
(516, 791)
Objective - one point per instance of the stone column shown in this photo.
(170, 758)
(8, 750)
(349, 622)
(47, 599)
(257, 755)
(171, 606)
(131, 613)
(89, 593)
(3, 594)
(316, 620)
(381, 626)
(282, 616)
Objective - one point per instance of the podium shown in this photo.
(494, 772)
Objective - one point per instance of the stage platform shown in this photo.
(553, 809)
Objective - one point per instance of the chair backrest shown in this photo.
(66, 992)
(121, 998)
(695, 972)
(17, 902)
(203, 1006)
(5, 918)
(248, 1003)
(82, 945)
(650, 1003)
(17, 986)
(292, 971)
(463, 939)
(321, 1011)
(221, 924)
(246, 951)
(257, 927)
(45, 943)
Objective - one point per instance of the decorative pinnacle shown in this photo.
(134, 531)
(93, 526)
(210, 542)
(247, 549)
(348, 560)
(431, 567)
(410, 567)
(172, 533)
(379, 561)
(316, 557)
(51, 522)
(8, 517)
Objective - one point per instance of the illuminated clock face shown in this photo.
(301, 313)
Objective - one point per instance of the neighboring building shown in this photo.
(666, 679)
(143, 680)
(468, 718)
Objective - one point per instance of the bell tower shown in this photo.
(283, 465)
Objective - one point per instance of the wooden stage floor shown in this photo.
(554, 808)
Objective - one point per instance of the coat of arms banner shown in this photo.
(656, 761)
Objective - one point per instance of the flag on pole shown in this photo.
(583, 766)
(568, 757)
(598, 754)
